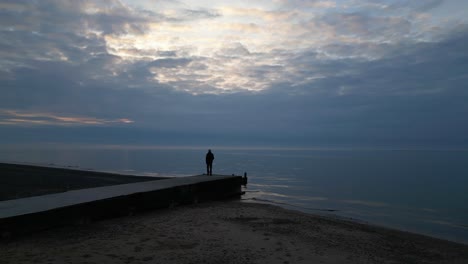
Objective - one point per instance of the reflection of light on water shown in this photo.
(259, 193)
(262, 193)
(302, 203)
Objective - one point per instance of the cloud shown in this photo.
(107, 39)
(288, 76)
(258, 13)
(62, 31)
(14, 117)
(323, 4)
(365, 25)
(235, 49)
(193, 14)
(169, 63)
(414, 5)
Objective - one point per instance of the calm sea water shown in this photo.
(419, 191)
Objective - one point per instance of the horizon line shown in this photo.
(56, 145)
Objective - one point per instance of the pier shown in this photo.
(30, 214)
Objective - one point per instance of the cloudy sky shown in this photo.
(249, 73)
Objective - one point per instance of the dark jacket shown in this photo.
(209, 157)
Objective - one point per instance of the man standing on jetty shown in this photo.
(209, 162)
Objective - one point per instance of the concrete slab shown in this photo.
(40, 212)
(24, 180)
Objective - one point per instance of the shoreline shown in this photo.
(335, 214)
(230, 232)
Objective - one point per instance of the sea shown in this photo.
(420, 191)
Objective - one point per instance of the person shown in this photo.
(209, 162)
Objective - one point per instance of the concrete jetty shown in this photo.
(81, 206)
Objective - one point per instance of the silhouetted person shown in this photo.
(209, 162)
(244, 179)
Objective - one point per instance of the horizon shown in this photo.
(81, 146)
(281, 74)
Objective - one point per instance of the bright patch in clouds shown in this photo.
(223, 47)
(226, 44)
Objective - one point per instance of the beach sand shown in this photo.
(228, 232)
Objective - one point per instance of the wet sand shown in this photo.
(228, 232)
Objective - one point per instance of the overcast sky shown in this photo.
(249, 73)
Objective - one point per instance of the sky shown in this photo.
(234, 73)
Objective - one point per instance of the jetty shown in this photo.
(25, 215)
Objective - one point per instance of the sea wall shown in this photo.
(82, 206)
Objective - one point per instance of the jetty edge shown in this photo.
(30, 214)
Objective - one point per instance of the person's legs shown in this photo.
(210, 166)
(207, 169)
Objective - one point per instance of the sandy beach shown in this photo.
(228, 232)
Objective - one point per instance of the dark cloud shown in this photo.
(170, 63)
(414, 5)
(200, 13)
(55, 16)
(365, 25)
(61, 30)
